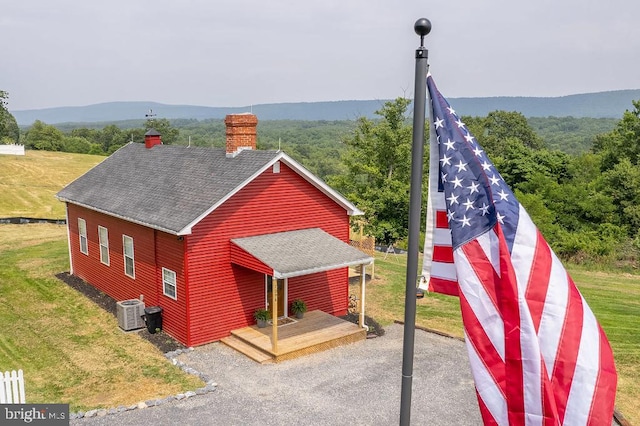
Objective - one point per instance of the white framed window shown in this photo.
(82, 234)
(169, 283)
(127, 250)
(103, 238)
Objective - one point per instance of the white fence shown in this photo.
(12, 388)
(12, 149)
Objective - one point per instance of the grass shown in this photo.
(385, 299)
(71, 350)
(614, 298)
(29, 183)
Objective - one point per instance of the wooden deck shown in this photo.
(316, 332)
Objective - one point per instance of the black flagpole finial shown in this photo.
(422, 27)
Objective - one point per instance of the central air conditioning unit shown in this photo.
(130, 314)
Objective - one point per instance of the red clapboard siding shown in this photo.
(111, 279)
(170, 255)
(152, 251)
(224, 296)
(326, 291)
(242, 258)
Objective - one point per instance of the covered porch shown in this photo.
(315, 332)
(284, 256)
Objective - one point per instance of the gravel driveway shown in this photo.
(357, 384)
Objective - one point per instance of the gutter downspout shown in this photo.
(157, 274)
(66, 213)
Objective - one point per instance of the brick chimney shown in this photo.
(241, 132)
(152, 138)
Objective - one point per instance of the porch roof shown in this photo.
(294, 253)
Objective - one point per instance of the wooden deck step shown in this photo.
(319, 346)
(317, 331)
(247, 349)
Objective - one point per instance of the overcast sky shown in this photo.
(243, 52)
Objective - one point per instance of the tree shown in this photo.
(111, 136)
(619, 154)
(44, 137)
(497, 127)
(9, 130)
(378, 164)
(518, 164)
(623, 142)
(77, 144)
(622, 184)
(91, 135)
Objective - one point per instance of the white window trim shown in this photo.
(166, 283)
(124, 255)
(83, 235)
(104, 244)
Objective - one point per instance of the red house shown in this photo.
(205, 233)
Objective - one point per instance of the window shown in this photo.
(103, 237)
(169, 283)
(129, 266)
(82, 232)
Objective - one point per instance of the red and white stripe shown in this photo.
(537, 353)
(438, 270)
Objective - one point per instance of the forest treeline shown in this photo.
(307, 141)
(579, 178)
(587, 205)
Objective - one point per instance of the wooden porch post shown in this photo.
(274, 316)
(362, 292)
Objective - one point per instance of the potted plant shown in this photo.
(261, 316)
(298, 308)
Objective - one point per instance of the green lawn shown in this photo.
(614, 299)
(71, 350)
(28, 183)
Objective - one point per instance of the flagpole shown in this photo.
(422, 27)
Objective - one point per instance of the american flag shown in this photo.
(537, 353)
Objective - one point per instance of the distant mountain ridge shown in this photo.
(610, 104)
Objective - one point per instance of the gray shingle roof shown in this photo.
(301, 252)
(165, 187)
